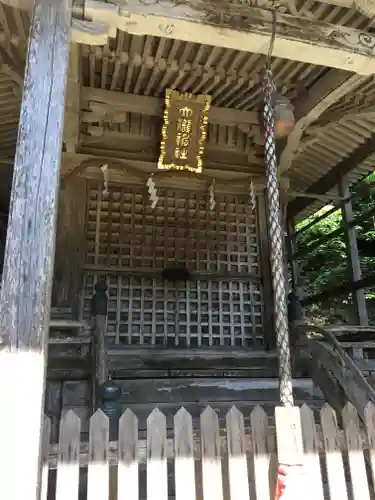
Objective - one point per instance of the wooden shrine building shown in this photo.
(134, 136)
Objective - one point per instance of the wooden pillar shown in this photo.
(291, 251)
(353, 258)
(265, 267)
(70, 244)
(29, 254)
(99, 308)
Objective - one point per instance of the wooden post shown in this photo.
(70, 244)
(353, 258)
(264, 253)
(294, 266)
(29, 254)
(99, 306)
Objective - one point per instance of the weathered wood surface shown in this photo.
(184, 464)
(70, 244)
(233, 26)
(354, 263)
(329, 180)
(365, 8)
(67, 478)
(127, 474)
(100, 351)
(334, 462)
(311, 449)
(29, 256)
(190, 390)
(98, 468)
(103, 100)
(245, 459)
(326, 92)
(157, 474)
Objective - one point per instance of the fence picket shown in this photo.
(192, 481)
(370, 431)
(67, 480)
(259, 433)
(212, 479)
(98, 468)
(157, 473)
(128, 472)
(355, 453)
(184, 468)
(335, 466)
(237, 459)
(312, 461)
(45, 452)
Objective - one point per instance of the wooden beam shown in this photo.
(225, 145)
(364, 7)
(29, 255)
(121, 170)
(73, 100)
(233, 26)
(339, 290)
(329, 180)
(101, 101)
(322, 95)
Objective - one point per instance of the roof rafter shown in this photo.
(321, 96)
(233, 26)
(330, 179)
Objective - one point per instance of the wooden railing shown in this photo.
(238, 461)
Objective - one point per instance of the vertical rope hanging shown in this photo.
(276, 235)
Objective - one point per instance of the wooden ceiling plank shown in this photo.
(359, 112)
(328, 90)
(233, 26)
(154, 106)
(330, 179)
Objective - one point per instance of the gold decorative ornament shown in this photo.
(184, 131)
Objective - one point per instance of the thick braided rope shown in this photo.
(276, 246)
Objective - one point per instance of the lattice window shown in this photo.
(211, 309)
(148, 311)
(122, 230)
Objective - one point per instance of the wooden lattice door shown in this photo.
(222, 305)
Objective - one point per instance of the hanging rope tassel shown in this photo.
(211, 195)
(276, 239)
(152, 191)
(252, 196)
(104, 169)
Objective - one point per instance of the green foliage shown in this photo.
(326, 265)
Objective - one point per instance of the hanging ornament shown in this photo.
(104, 169)
(211, 194)
(152, 191)
(252, 196)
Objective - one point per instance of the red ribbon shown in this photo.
(280, 485)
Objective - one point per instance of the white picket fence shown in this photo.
(236, 462)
